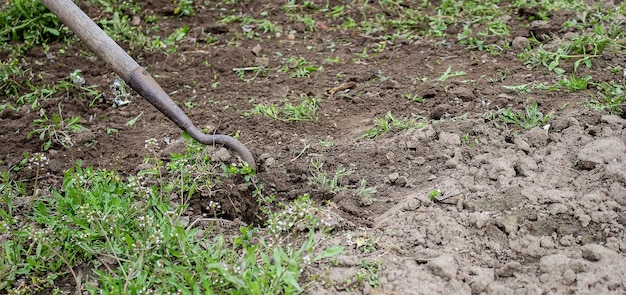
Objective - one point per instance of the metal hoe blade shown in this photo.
(136, 76)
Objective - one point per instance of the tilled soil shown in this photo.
(520, 212)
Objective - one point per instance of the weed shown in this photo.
(390, 123)
(29, 22)
(610, 98)
(449, 74)
(55, 129)
(368, 273)
(434, 194)
(575, 83)
(320, 178)
(299, 67)
(332, 181)
(527, 120)
(120, 30)
(241, 73)
(137, 241)
(10, 70)
(184, 8)
(413, 97)
(306, 110)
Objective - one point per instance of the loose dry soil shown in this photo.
(521, 212)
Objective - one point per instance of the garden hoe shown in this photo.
(136, 76)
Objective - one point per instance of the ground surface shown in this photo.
(524, 212)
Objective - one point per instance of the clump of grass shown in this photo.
(306, 110)
(331, 181)
(392, 124)
(527, 120)
(28, 22)
(299, 67)
(56, 129)
(133, 237)
(610, 98)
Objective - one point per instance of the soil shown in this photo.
(520, 212)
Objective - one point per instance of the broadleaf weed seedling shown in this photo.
(449, 74)
(390, 123)
(306, 110)
(610, 98)
(527, 120)
(55, 129)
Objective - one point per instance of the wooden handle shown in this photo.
(96, 39)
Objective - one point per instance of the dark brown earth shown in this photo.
(527, 212)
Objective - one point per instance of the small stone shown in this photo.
(135, 20)
(412, 204)
(256, 50)
(222, 154)
(509, 223)
(555, 263)
(444, 266)
(449, 139)
(520, 42)
(509, 269)
(536, 137)
(595, 252)
(557, 209)
(402, 181)
(601, 151)
(270, 162)
(521, 144)
(578, 265)
(393, 177)
(262, 61)
(584, 220)
(547, 243)
(569, 277)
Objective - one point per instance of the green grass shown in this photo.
(129, 233)
(305, 110)
(135, 240)
(609, 98)
(527, 120)
(390, 123)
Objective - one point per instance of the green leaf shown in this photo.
(134, 120)
(330, 252)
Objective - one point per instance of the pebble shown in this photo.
(501, 168)
(595, 252)
(509, 269)
(449, 139)
(569, 277)
(520, 42)
(601, 151)
(509, 223)
(222, 154)
(557, 208)
(393, 177)
(444, 266)
(618, 193)
(555, 263)
(537, 137)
